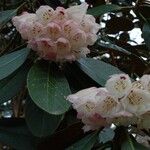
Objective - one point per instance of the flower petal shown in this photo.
(46, 48)
(69, 27)
(77, 13)
(78, 39)
(60, 15)
(45, 14)
(53, 30)
(25, 18)
(107, 106)
(89, 24)
(137, 102)
(85, 101)
(119, 85)
(63, 47)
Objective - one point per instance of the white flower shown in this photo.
(85, 101)
(121, 102)
(45, 14)
(77, 13)
(88, 24)
(137, 85)
(145, 81)
(119, 85)
(107, 106)
(25, 18)
(137, 102)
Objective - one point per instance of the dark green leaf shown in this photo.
(17, 138)
(139, 146)
(107, 134)
(40, 122)
(5, 16)
(114, 47)
(86, 143)
(146, 34)
(13, 84)
(53, 3)
(131, 144)
(11, 62)
(102, 9)
(98, 70)
(48, 88)
(128, 144)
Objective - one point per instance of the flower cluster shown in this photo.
(61, 34)
(121, 102)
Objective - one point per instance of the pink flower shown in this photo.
(94, 122)
(70, 30)
(46, 48)
(53, 31)
(25, 18)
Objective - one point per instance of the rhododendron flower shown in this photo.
(107, 106)
(119, 85)
(68, 32)
(94, 122)
(26, 17)
(121, 103)
(85, 101)
(137, 101)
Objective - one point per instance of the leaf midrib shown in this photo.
(11, 60)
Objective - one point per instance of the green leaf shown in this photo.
(131, 144)
(13, 84)
(146, 34)
(86, 143)
(48, 88)
(40, 123)
(109, 44)
(11, 62)
(102, 9)
(139, 146)
(128, 144)
(5, 16)
(98, 70)
(107, 134)
(53, 3)
(16, 138)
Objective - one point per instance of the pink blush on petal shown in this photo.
(50, 56)
(96, 119)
